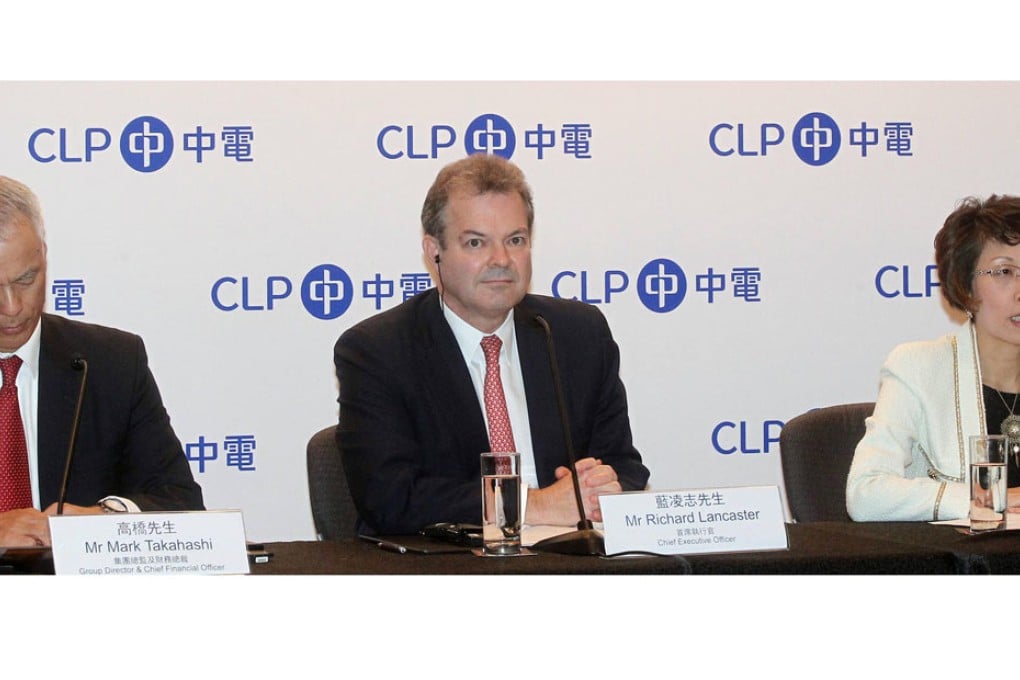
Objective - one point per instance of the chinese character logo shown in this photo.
(201, 452)
(327, 291)
(816, 139)
(745, 282)
(491, 134)
(240, 450)
(146, 144)
(237, 142)
(662, 285)
(68, 296)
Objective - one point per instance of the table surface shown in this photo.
(815, 548)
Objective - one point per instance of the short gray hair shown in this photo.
(18, 201)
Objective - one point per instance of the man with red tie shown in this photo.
(127, 457)
(429, 385)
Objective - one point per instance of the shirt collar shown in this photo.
(29, 352)
(469, 338)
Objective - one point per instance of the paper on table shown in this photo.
(1012, 522)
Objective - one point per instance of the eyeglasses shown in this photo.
(1003, 273)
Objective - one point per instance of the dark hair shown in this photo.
(961, 239)
(477, 174)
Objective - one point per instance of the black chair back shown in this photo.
(333, 508)
(816, 449)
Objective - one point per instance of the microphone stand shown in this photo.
(78, 364)
(586, 540)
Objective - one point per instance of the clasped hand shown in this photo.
(28, 527)
(555, 504)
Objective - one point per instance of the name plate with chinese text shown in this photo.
(691, 521)
(150, 543)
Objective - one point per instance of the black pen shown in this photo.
(392, 547)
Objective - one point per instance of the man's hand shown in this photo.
(24, 527)
(29, 527)
(75, 510)
(555, 504)
(1013, 499)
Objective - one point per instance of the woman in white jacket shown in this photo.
(933, 396)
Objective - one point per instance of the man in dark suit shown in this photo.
(413, 417)
(127, 456)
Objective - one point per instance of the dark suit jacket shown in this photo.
(411, 427)
(125, 446)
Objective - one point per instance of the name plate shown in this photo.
(691, 521)
(150, 543)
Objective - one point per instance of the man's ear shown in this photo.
(430, 246)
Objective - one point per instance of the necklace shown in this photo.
(1010, 427)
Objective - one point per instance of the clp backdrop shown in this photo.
(758, 248)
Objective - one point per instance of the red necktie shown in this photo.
(15, 483)
(501, 435)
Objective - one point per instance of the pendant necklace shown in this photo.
(1010, 427)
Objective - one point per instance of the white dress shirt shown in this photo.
(469, 340)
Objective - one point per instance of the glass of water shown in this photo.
(501, 503)
(988, 492)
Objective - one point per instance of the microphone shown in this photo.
(586, 540)
(442, 289)
(78, 363)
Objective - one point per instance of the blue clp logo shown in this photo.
(146, 144)
(327, 291)
(816, 138)
(492, 134)
(662, 285)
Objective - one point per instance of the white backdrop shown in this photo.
(150, 246)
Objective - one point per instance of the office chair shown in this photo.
(333, 508)
(816, 449)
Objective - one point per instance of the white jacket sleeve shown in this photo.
(889, 478)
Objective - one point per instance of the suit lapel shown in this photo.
(58, 390)
(447, 380)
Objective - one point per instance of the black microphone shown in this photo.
(78, 363)
(586, 540)
(439, 275)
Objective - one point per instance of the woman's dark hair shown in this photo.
(961, 239)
